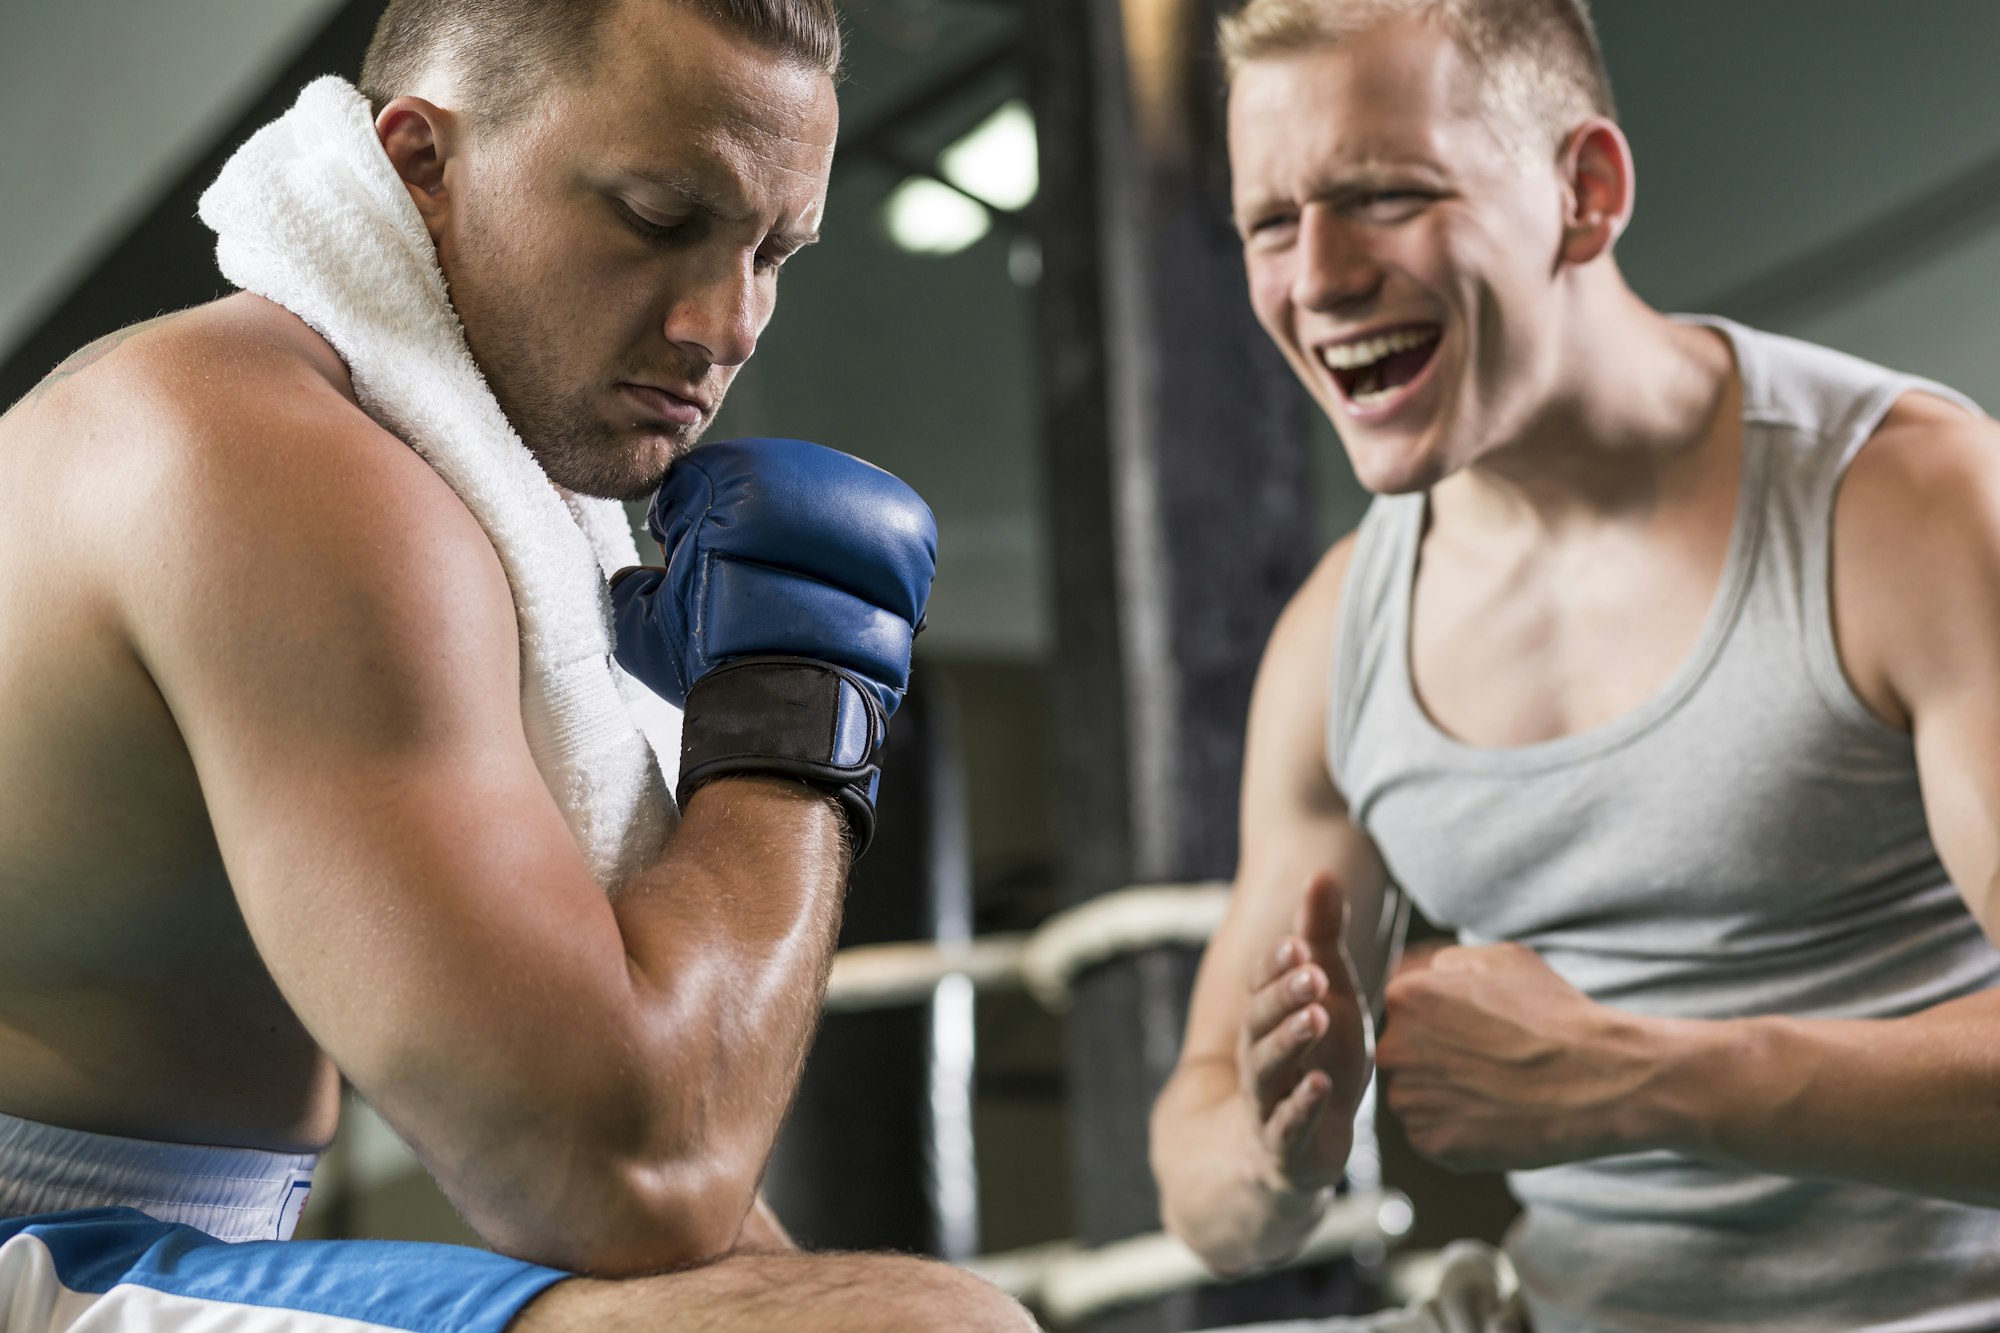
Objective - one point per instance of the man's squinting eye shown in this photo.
(1270, 229)
(1389, 205)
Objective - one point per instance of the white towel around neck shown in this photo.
(310, 214)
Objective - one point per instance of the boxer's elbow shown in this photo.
(650, 1216)
(613, 1166)
(694, 1209)
(607, 1211)
(666, 1186)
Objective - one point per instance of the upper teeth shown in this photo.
(1366, 352)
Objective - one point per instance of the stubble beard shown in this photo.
(580, 447)
(584, 452)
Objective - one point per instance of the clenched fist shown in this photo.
(1494, 1062)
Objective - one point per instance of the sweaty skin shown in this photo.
(1582, 456)
(270, 809)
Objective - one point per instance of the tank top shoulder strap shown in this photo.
(1810, 409)
(1369, 628)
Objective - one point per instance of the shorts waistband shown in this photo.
(230, 1193)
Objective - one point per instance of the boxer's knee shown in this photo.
(838, 1293)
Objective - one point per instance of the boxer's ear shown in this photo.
(1595, 164)
(417, 136)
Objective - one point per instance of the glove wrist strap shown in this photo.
(789, 717)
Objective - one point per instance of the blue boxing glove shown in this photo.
(795, 583)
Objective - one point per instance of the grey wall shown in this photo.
(105, 102)
(1766, 128)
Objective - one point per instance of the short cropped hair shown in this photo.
(507, 52)
(1541, 62)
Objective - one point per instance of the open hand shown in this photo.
(1302, 1056)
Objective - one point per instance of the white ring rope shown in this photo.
(879, 976)
(1068, 1284)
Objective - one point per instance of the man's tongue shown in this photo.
(1399, 368)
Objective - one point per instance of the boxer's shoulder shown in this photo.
(212, 475)
(251, 431)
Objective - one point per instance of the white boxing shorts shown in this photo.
(108, 1235)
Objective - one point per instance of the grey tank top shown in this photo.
(1750, 840)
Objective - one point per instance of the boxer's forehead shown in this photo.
(672, 97)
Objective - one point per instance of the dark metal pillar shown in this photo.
(1175, 447)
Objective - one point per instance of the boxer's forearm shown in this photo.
(729, 940)
(648, 1122)
(1906, 1103)
(1213, 1193)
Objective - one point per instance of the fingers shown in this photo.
(1282, 998)
(1274, 1059)
(1289, 954)
(1288, 1131)
(1322, 916)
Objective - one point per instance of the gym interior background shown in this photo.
(1828, 168)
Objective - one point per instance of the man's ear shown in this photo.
(418, 137)
(1596, 168)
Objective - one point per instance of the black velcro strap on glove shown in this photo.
(788, 717)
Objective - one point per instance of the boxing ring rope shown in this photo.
(1042, 962)
(1068, 1284)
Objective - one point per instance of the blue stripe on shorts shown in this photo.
(399, 1284)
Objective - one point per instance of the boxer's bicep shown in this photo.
(1293, 822)
(337, 647)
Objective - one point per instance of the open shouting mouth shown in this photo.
(1377, 372)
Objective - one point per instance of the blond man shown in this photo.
(1665, 668)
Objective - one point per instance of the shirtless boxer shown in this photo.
(269, 812)
(1690, 729)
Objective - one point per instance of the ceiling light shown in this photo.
(997, 160)
(927, 217)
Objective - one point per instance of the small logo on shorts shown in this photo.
(294, 1206)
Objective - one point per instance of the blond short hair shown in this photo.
(1543, 68)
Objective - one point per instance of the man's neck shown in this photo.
(1648, 412)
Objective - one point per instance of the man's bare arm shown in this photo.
(595, 1081)
(1239, 1183)
(1907, 1102)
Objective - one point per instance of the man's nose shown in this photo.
(721, 314)
(1333, 271)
